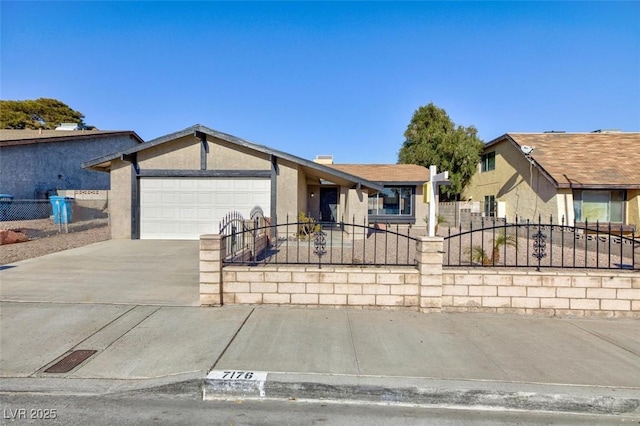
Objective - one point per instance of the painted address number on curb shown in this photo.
(237, 375)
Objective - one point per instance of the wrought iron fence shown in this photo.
(544, 245)
(308, 242)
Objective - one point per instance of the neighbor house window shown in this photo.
(599, 205)
(489, 205)
(394, 200)
(488, 162)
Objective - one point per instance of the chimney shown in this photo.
(324, 159)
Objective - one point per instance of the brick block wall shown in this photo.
(427, 287)
(329, 286)
(568, 293)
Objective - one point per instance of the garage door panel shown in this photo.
(185, 208)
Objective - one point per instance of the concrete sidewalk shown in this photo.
(135, 304)
(375, 356)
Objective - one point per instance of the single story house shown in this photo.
(181, 185)
(592, 177)
(37, 163)
(401, 199)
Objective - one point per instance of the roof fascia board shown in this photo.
(69, 137)
(598, 186)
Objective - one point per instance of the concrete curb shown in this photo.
(432, 392)
(179, 384)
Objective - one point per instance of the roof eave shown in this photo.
(91, 164)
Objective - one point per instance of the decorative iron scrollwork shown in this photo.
(319, 245)
(539, 246)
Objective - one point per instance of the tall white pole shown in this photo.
(433, 186)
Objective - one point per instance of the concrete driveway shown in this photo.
(136, 272)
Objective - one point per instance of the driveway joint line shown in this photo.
(232, 339)
(80, 342)
(599, 336)
(353, 343)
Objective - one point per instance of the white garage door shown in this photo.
(185, 208)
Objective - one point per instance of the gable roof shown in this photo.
(312, 169)
(582, 160)
(387, 173)
(11, 137)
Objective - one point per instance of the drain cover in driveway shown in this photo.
(70, 361)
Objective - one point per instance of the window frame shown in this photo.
(392, 217)
(488, 162)
(490, 206)
(579, 208)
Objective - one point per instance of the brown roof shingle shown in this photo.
(386, 172)
(585, 159)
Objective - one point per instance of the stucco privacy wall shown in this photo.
(427, 287)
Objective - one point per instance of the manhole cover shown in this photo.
(70, 361)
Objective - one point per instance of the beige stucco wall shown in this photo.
(421, 208)
(303, 197)
(633, 208)
(225, 156)
(355, 211)
(526, 192)
(313, 206)
(120, 200)
(287, 195)
(181, 154)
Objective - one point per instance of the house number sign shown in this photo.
(237, 375)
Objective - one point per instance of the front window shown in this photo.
(488, 162)
(490, 205)
(600, 205)
(396, 201)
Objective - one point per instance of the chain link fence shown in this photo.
(42, 218)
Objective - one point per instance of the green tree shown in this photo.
(432, 138)
(42, 113)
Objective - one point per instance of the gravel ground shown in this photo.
(46, 237)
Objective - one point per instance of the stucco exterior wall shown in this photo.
(356, 211)
(421, 208)
(287, 194)
(55, 165)
(182, 154)
(225, 156)
(313, 206)
(633, 208)
(303, 197)
(526, 192)
(120, 200)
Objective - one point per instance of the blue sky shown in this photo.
(328, 78)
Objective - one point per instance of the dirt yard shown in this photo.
(45, 237)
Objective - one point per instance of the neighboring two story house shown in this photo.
(578, 177)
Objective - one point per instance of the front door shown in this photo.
(328, 204)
